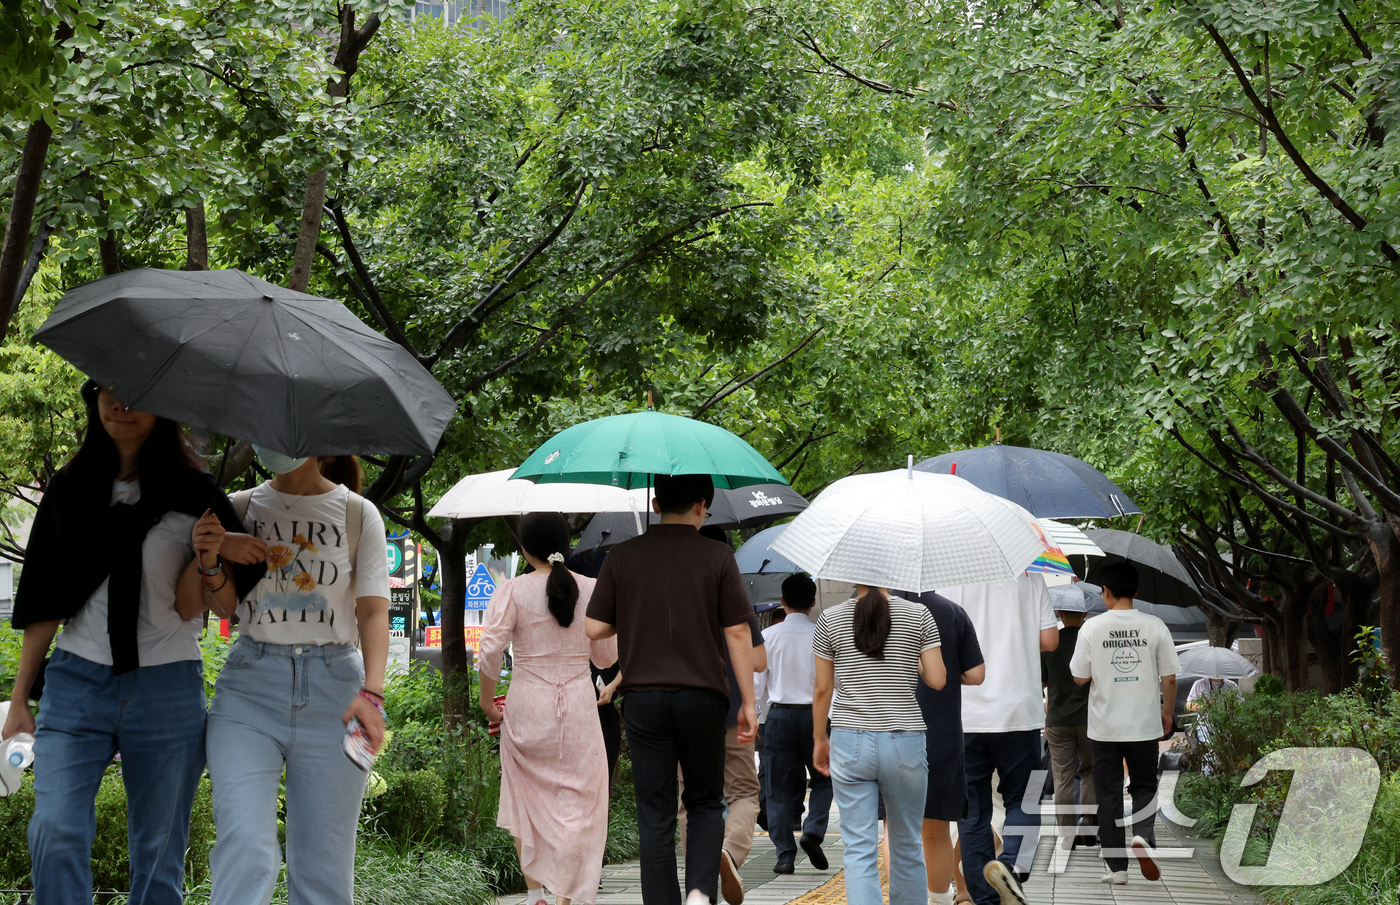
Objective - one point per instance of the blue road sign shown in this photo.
(480, 587)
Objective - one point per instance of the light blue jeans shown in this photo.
(279, 706)
(153, 716)
(865, 767)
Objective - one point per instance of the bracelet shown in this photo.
(374, 698)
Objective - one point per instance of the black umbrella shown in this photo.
(1162, 579)
(742, 507)
(229, 353)
(1047, 484)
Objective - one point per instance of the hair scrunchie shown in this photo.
(556, 558)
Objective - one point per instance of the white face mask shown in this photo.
(276, 462)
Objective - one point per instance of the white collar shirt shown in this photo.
(792, 669)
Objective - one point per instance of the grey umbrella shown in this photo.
(232, 354)
(1214, 663)
(1079, 597)
(742, 507)
(1161, 576)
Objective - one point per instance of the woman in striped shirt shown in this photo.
(880, 647)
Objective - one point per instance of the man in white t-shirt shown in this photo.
(1002, 719)
(1130, 664)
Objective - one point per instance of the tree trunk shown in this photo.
(1387, 555)
(196, 238)
(1295, 660)
(1332, 645)
(347, 60)
(24, 196)
(1220, 630)
(456, 661)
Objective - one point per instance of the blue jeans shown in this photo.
(153, 716)
(866, 766)
(1013, 755)
(279, 706)
(790, 771)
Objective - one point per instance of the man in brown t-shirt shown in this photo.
(676, 602)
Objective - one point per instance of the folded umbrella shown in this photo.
(232, 354)
(909, 530)
(1080, 597)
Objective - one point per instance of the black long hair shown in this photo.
(543, 534)
(343, 470)
(872, 623)
(165, 459)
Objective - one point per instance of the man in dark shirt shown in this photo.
(676, 602)
(1067, 732)
(942, 709)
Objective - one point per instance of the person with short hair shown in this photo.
(1002, 719)
(1067, 732)
(676, 603)
(1128, 661)
(554, 767)
(791, 679)
(946, 799)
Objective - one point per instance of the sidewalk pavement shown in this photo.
(1193, 877)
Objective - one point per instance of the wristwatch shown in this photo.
(210, 573)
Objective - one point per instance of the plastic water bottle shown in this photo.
(16, 754)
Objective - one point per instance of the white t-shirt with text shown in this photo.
(1124, 654)
(308, 594)
(1008, 616)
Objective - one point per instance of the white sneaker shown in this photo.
(1005, 885)
(940, 898)
(1115, 877)
(1146, 859)
(696, 897)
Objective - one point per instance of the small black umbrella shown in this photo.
(229, 353)
(742, 507)
(1162, 579)
(1047, 484)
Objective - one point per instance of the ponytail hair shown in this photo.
(545, 535)
(343, 470)
(872, 623)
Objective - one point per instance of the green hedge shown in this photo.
(1243, 729)
(110, 869)
(410, 808)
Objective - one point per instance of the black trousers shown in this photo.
(611, 722)
(791, 775)
(666, 729)
(1141, 758)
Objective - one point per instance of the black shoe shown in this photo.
(783, 867)
(812, 845)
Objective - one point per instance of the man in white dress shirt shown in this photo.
(792, 673)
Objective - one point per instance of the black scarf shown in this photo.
(60, 576)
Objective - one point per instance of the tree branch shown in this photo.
(722, 393)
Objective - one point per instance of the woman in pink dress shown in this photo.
(554, 767)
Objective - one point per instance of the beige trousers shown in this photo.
(741, 792)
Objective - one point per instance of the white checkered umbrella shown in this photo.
(915, 531)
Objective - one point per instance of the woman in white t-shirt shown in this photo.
(293, 682)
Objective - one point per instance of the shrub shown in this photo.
(410, 810)
(110, 870)
(384, 876)
(1269, 685)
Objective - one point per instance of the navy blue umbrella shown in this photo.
(1048, 484)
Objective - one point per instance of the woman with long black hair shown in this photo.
(554, 768)
(116, 552)
(880, 647)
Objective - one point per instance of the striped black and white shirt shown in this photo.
(876, 695)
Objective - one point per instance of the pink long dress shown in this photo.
(554, 768)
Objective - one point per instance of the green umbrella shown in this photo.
(626, 450)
